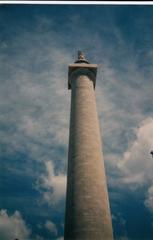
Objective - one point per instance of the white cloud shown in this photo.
(136, 167)
(51, 227)
(137, 164)
(36, 109)
(13, 226)
(149, 198)
(52, 186)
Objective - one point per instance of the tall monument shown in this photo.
(87, 215)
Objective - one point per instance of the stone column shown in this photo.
(87, 214)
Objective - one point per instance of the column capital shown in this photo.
(77, 69)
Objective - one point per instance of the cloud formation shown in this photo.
(51, 227)
(137, 163)
(137, 166)
(53, 186)
(13, 226)
(149, 198)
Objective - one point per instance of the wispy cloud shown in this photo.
(149, 198)
(51, 227)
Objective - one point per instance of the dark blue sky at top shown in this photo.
(134, 21)
(120, 34)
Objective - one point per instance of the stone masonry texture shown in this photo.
(87, 214)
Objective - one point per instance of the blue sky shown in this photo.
(37, 42)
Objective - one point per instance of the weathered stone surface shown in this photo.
(79, 68)
(87, 204)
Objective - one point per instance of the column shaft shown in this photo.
(87, 205)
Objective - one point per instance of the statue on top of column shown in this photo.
(81, 55)
(81, 58)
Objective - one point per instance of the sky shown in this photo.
(37, 43)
